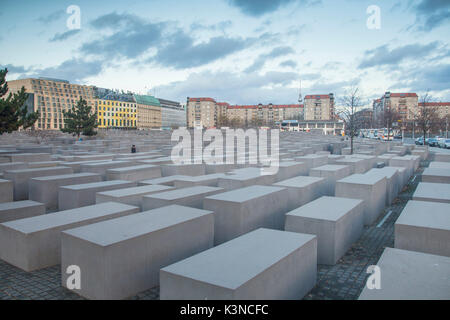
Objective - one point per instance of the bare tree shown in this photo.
(351, 103)
(390, 116)
(426, 115)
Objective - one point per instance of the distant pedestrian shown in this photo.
(133, 149)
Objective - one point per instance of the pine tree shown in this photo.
(13, 110)
(80, 120)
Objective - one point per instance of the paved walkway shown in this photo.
(345, 280)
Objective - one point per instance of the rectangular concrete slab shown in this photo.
(370, 188)
(20, 178)
(331, 173)
(81, 195)
(301, 190)
(436, 175)
(132, 196)
(337, 223)
(240, 270)
(122, 257)
(434, 192)
(6, 191)
(45, 189)
(410, 275)
(16, 210)
(425, 227)
(134, 173)
(35, 243)
(243, 210)
(190, 197)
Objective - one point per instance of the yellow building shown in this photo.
(116, 111)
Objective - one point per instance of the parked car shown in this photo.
(419, 141)
(445, 143)
(432, 142)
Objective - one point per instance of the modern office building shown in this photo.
(173, 114)
(50, 97)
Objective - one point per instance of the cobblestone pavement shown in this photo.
(343, 281)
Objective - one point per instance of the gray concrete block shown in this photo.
(209, 180)
(434, 192)
(101, 167)
(301, 190)
(132, 196)
(183, 169)
(20, 178)
(35, 243)
(81, 195)
(392, 183)
(424, 226)
(337, 223)
(16, 210)
(409, 275)
(284, 269)
(370, 188)
(134, 173)
(6, 191)
(243, 210)
(331, 173)
(45, 189)
(190, 197)
(122, 257)
(436, 175)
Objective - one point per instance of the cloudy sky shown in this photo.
(239, 51)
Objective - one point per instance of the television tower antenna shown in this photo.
(300, 97)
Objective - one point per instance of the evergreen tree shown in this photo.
(13, 110)
(80, 120)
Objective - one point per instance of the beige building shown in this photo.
(50, 97)
(202, 112)
(207, 113)
(319, 107)
(148, 112)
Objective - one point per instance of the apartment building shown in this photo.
(319, 107)
(207, 113)
(442, 108)
(117, 110)
(201, 112)
(50, 97)
(148, 110)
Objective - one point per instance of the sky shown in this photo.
(237, 51)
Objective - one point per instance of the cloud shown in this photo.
(132, 37)
(259, 63)
(234, 88)
(289, 63)
(65, 35)
(382, 56)
(180, 52)
(74, 70)
(220, 26)
(431, 14)
(257, 8)
(14, 69)
(51, 17)
(435, 78)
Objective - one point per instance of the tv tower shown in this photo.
(300, 97)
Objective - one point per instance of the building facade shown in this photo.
(117, 110)
(148, 112)
(207, 113)
(173, 114)
(319, 107)
(50, 97)
(404, 105)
